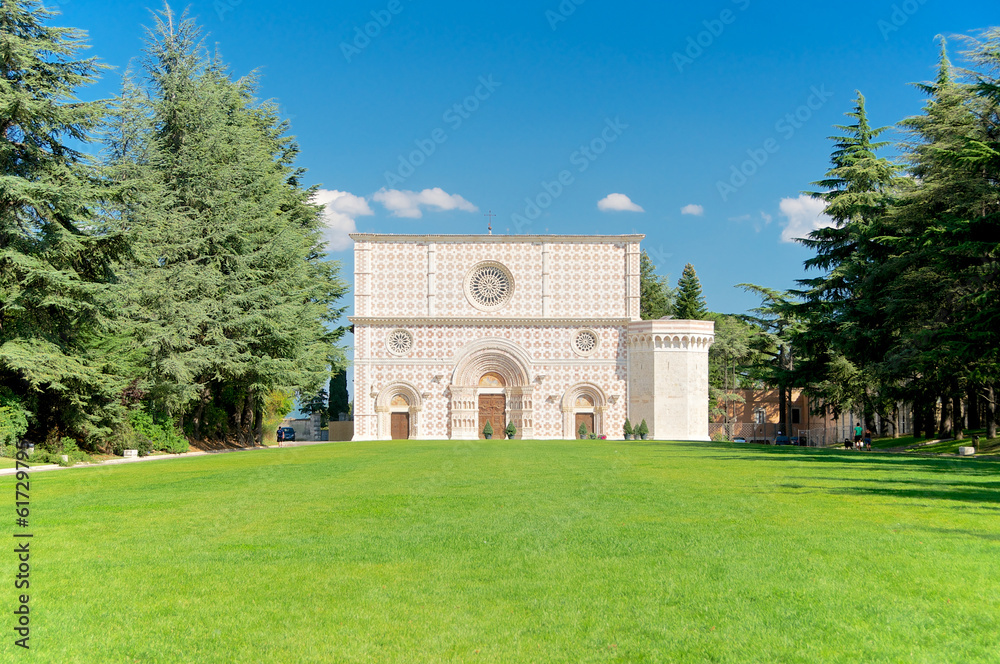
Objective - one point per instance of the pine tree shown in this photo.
(339, 397)
(232, 297)
(690, 303)
(655, 295)
(847, 331)
(772, 346)
(955, 217)
(57, 344)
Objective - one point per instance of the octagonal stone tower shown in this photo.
(668, 377)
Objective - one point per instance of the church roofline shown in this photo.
(401, 237)
(487, 321)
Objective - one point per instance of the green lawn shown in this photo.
(949, 446)
(514, 551)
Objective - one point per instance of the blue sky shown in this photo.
(656, 102)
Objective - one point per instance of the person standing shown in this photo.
(868, 440)
(858, 431)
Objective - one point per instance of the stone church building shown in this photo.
(452, 331)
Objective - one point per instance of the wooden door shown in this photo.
(400, 428)
(586, 418)
(491, 409)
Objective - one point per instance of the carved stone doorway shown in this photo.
(492, 409)
(400, 427)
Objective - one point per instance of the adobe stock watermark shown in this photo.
(581, 158)
(786, 128)
(223, 7)
(697, 44)
(363, 35)
(454, 116)
(562, 13)
(901, 13)
(57, 6)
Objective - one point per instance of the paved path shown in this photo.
(113, 462)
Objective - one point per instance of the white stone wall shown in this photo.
(562, 284)
(554, 369)
(669, 377)
(424, 276)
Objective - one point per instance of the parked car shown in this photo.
(285, 433)
(739, 439)
(782, 439)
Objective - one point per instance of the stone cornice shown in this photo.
(508, 239)
(489, 321)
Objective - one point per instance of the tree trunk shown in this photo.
(782, 410)
(238, 420)
(918, 417)
(246, 433)
(895, 420)
(990, 411)
(196, 419)
(973, 409)
(944, 430)
(259, 425)
(956, 409)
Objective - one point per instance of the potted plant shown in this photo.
(488, 430)
(582, 430)
(627, 429)
(511, 430)
(643, 430)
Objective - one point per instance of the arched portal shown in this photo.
(491, 382)
(583, 403)
(397, 412)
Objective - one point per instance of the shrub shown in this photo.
(155, 434)
(511, 430)
(214, 422)
(627, 428)
(13, 418)
(488, 429)
(582, 429)
(643, 430)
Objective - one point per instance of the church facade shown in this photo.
(453, 331)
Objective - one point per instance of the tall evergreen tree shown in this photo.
(655, 295)
(955, 216)
(772, 348)
(843, 345)
(56, 283)
(232, 297)
(690, 303)
(340, 400)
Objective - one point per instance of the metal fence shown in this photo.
(767, 434)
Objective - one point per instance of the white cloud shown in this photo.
(804, 214)
(340, 210)
(618, 203)
(758, 222)
(694, 210)
(408, 203)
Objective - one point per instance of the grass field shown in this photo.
(514, 551)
